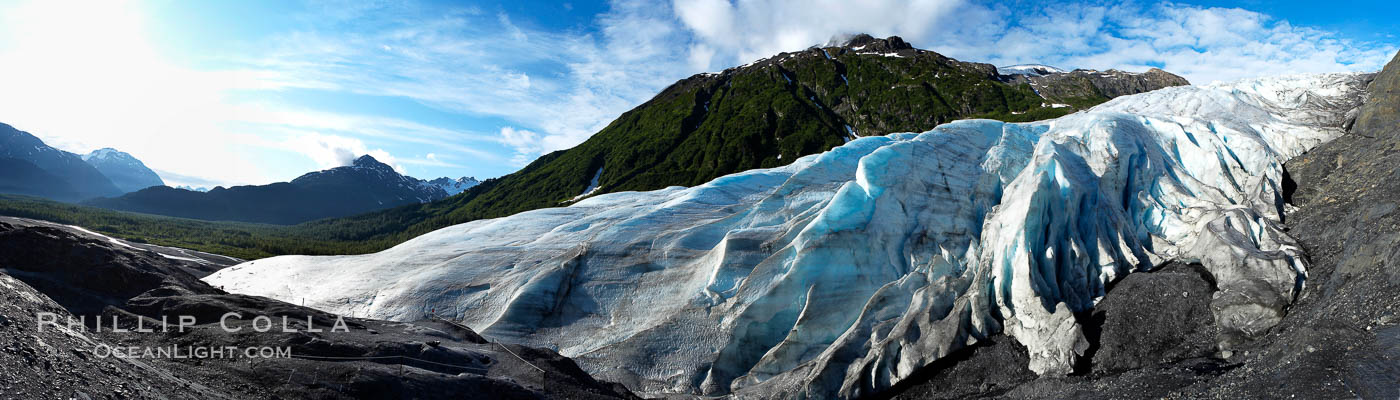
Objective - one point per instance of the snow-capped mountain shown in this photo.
(1029, 69)
(125, 171)
(365, 185)
(844, 272)
(454, 186)
(193, 189)
(35, 168)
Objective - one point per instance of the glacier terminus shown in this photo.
(844, 272)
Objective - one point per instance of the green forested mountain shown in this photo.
(765, 114)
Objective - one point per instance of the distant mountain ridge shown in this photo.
(36, 169)
(1086, 87)
(126, 172)
(365, 185)
(455, 186)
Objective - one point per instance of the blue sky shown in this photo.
(249, 92)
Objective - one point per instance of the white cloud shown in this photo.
(561, 86)
(525, 143)
(750, 30)
(330, 151)
(1202, 44)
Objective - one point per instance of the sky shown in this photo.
(225, 93)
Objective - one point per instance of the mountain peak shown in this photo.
(124, 170)
(862, 41)
(367, 161)
(105, 152)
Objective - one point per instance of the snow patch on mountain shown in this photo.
(1029, 69)
(592, 186)
(844, 272)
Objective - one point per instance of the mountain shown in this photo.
(761, 115)
(366, 185)
(67, 273)
(844, 273)
(193, 189)
(125, 171)
(377, 179)
(23, 177)
(455, 186)
(41, 170)
(1085, 88)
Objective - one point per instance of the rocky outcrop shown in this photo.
(1153, 318)
(869, 43)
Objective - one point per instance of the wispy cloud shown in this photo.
(330, 151)
(1202, 44)
(558, 87)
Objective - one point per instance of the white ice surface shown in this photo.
(844, 272)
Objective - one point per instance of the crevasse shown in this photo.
(844, 272)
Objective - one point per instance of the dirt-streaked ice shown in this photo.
(844, 272)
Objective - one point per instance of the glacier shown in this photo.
(844, 272)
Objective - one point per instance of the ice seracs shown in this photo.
(844, 272)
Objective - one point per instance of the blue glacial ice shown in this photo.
(844, 272)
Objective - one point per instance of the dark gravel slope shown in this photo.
(51, 270)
